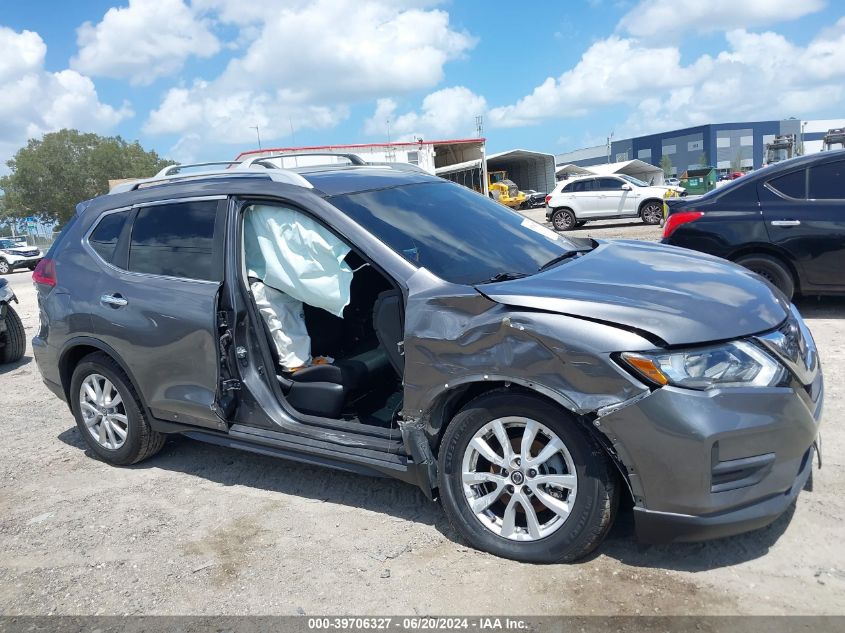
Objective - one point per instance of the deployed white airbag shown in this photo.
(296, 255)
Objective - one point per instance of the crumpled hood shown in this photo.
(680, 296)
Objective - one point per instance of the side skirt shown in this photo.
(304, 450)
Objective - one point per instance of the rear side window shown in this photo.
(105, 236)
(827, 181)
(176, 240)
(792, 185)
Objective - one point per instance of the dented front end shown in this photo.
(699, 464)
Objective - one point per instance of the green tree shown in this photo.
(666, 165)
(49, 176)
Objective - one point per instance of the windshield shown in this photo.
(633, 181)
(459, 235)
(9, 244)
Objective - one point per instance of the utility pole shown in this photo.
(388, 131)
(292, 137)
(479, 126)
(609, 145)
(257, 133)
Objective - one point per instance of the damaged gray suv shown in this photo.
(386, 322)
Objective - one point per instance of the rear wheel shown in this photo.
(771, 269)
(5, 269)
(109, 414)
(518, 478)
(652, 212)
(15, 344)
(563, 219)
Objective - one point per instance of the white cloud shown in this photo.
(446, 112)
(671, 17)
(759, 76)
(211, 111)
(613, 70)
(34, 101)
(143, 41)
(309, 61)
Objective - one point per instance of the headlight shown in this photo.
(737, 364)
(7, 251)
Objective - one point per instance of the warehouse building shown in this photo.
(721, 145)
(461, 160)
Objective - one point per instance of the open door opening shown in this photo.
(332, 322)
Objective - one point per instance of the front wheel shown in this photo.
(5, 269)
(15, 344)
(652, 213)
(518, 478)
(563, 220)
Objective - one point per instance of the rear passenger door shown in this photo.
(804, 212)
(157, 302)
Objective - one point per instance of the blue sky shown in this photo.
(190, 78)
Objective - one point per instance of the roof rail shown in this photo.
(171, 174)
(352, 158)
(171, 170)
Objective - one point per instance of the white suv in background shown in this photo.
(15, 254)
(577, 200)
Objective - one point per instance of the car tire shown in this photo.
(652, 212)
(556, 537)
(140, 441)
(771, 269)
(15, 345)
(563, 220)
(5, 269)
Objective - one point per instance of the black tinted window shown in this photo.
(607, 184)
(827, 181)
(457, 234)
(583, 185)
(793, 185)
(175, 240)
(105, 236)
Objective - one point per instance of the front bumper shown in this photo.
(27, 262)
(665, 527)
(707, 464)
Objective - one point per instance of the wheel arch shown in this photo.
(771, 251)
(453, 399)
(77, 349)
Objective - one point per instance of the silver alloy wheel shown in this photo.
(525, 487)
(652, 213)
(562, 221)
(103, 411)
(4, 267)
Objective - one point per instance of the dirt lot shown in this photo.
(205, 530)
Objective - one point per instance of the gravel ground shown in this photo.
(204, 530)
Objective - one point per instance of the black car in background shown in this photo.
(785, 222)
(534, 199)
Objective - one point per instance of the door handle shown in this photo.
(115, 301)
(785, 222)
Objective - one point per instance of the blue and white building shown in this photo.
(720, 145)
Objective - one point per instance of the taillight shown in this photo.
(549, 197)
(677, 219)
(45, 273)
